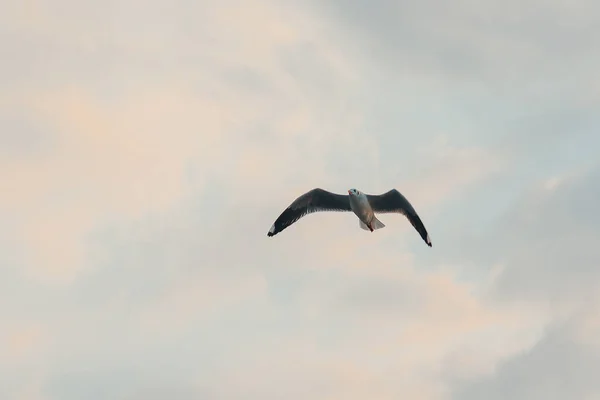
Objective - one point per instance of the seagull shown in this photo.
(363, 205)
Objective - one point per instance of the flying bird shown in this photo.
(363, 205)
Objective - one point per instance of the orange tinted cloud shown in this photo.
(106, 160)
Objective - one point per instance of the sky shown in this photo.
(146, 147)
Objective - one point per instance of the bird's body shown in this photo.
(363, 205)
(362, 209)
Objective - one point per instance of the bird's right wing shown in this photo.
(394, 202)
(312, 201)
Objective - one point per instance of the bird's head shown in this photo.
(353, 192)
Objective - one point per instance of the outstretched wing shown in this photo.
(310, 202)
(394, 201)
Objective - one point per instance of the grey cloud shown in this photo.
(381, 295)
(480, 41)
(104, 352)
(518, 77)
(307, 62)
(159, 379)
(546, 240)
(552, 243)
(110, 46)
(558, 367)
(22, 136)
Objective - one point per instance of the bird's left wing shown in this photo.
(394, 202)
(312, 201)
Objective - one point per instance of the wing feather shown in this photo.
(315, 200)
(394, 202)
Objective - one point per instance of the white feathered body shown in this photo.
(361, 207)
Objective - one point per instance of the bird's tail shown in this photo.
(375, 224)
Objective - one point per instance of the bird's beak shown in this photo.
(349, 192)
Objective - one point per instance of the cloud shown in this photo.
(103, 162)
(147, 147)
(393, 345)
(557, 367)
(113, 147)
(469, 44)
(325, 325)
(545, 246)
(448, 170)
(544, 241)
